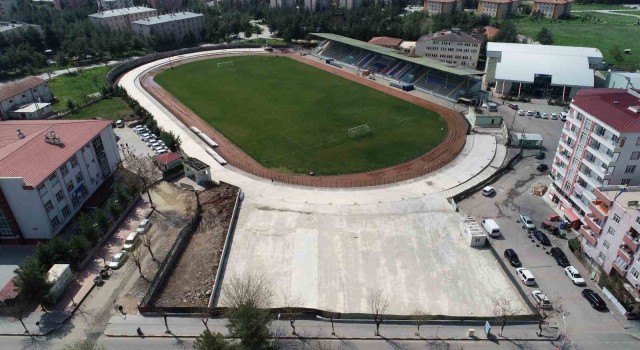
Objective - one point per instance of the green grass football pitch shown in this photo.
(294, 118)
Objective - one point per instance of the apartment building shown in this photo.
(437, 7)
(22, 93)
(177, 24)
(8, 27)
(599, 146)
(498, 8)
(105, 5)
(611, 236)
(452, 46)
(122, 18)
(48, 170)
(552, 8)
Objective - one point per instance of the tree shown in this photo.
(18, 311)
(114, 209)
(147, 172)
(247, 290)
(419, 317)
(616, 52)
(212, 341)
(547, 313)
(205, 316)
(508, 33)
(332, 316)
(503, 308)
(31, 281)
(378, 304)
(544, 36)
(137, 260)
(102, 220)
(292, 311)
(83, 345)
(146, 242)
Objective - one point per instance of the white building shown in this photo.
(7, 27)
(452, 46)
(176, 24)
(48, 170)
(518, 69)
(105, 5)
(36, 110)
(197, 170)
(121, 18)
(623, 80)
(599, 146)
(23, 92)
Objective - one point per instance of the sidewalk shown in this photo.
(126, 326)
(43, 323)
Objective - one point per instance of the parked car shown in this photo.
(513, 106)
(120, 123)
(529, 113)
(574, 276)
(512, 257)
(563, 116)
(541, 299)
(491, 226)
(545, 115)
(144, 136)
(488, 191)
(153, 144)
(143, 226)
(118, 260)
(594, 299)
(542, 167)
(554, 116)
(130, 242)
(560, 257)
(522, 113)
(537, 114)
(525, 276)
(526, 222)
(161, 151)
(541, 237)
(540, 155)
(117, 138)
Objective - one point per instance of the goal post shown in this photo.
(359, 131)
(225, 64)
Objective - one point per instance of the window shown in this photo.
(616, 218)
(74, 161)
(611, 231)
(48, 206)
(638, 220)
(630, 169)
(606, 244)
(625, 181)
(79, 178)
(55, 222)
(601, 257)
(60, 196)
(64, 170)
(42, 190)
(66, 211)
(635, 155)
(635, 273)
(70, 185)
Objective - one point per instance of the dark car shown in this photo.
(513, 106)
(560, 257)
(540, 155)
(594, 299)
(542, 237)
(542, 167)
(512, 257)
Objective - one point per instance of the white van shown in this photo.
(143, 226)
(526, 276)
(492, 228)
(130, 241)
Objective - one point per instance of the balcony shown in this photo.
(606, 140)
(599, 210)
(601, 152)
(593, 224)
(559, 169)
(622, 269)
(588, 235)
(632, 240)
(571, 133)
(565, 145)
(600, 171)
(563, 156)
(594, 182)
(625, 254)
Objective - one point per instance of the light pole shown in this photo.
(564, 338)
(275, 329)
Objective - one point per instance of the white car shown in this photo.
(526, 222)
(554, 116)
(545, 115)
(143, 226)
(541, 299)
(118, 260)
(161, 151)
(153, 144)
(488, 191)
(143, 136)
(574, 276)
(522, 113)
(147, 137)
(526, 276)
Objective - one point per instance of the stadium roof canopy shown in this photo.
(567, 65)
(423, 61)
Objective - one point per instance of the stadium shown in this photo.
(312, 123)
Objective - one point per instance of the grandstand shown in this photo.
(432, 76)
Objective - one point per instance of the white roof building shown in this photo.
(560, 66)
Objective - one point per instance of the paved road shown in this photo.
(584, 324)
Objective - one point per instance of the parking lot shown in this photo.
(130, 142)
(513, 197)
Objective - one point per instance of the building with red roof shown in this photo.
(168, 160)
(22, 93)
(386, 41)
(48, 169)
(498, 8)
(599, 146)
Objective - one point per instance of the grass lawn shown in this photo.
(109, 108)
(604, 33)
(593, 7)
(77, 86)
(294, 118)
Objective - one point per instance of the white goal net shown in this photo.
(225, 64)
(359, 131)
